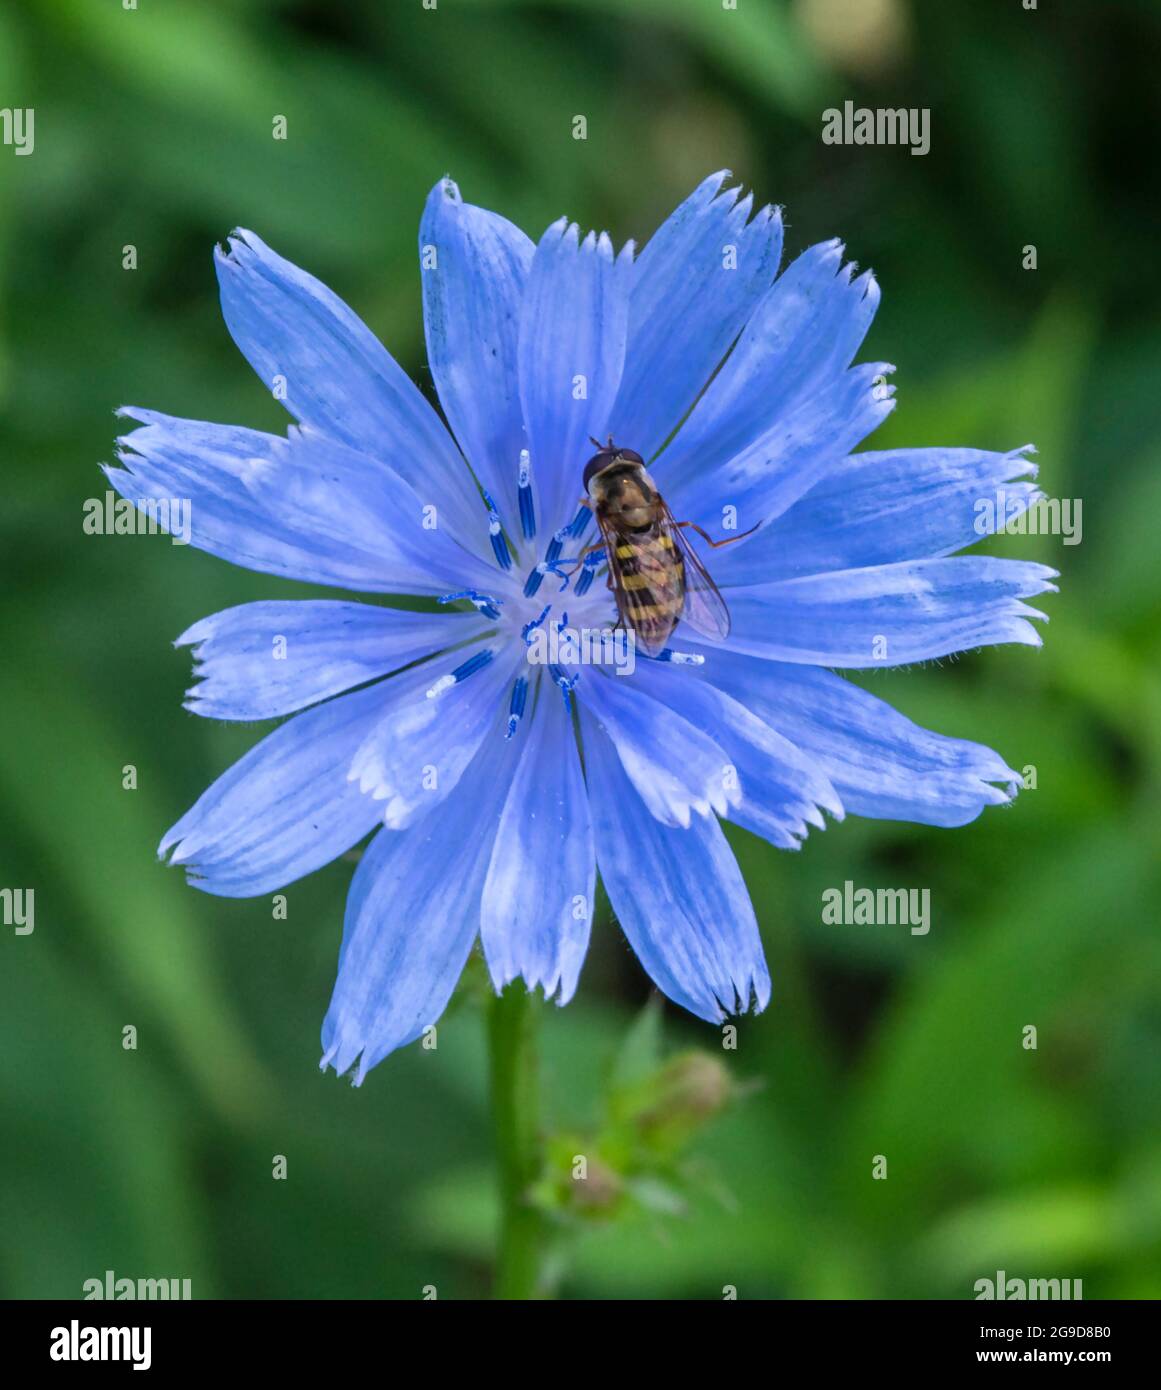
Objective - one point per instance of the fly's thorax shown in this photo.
(624, 494)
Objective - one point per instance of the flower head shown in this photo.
(500, 763)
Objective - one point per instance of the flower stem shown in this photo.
(512, 1023)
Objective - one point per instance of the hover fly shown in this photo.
(655, 577)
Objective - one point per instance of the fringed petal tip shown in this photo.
(239, 246)
(356, 1057)
(171, 840)
(141, 417)
(868, 284)
(755, 997)
(1037, 579)
(447, 188)
(347, 1066)
(353, 1059)
(750, 996)
(737, 200)
(195, 635)
(791, 834)
(568, 238)
(556, 986)
(991, 789)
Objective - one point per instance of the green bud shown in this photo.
(681, 1097)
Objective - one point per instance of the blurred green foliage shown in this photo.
(153, 128)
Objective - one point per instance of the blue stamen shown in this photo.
(553, 567)
(593, 560)
(579, 522)
(555, 546)
(566, 683)
(496, 535)
(548, 566)
(485, 603)
(679, 658)
(516, 707)
(462, 672)
(551, 562)
(529, 628)
(527, 505)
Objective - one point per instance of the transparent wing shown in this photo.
(645, 593)
(616, 571)
(704, 610)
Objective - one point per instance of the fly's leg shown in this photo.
(580, 559)
(717, 545)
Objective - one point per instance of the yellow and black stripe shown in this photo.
(649, 585)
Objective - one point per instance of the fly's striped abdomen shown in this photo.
(650, 585)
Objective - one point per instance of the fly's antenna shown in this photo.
(594, 440)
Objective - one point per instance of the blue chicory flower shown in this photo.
(434, 729)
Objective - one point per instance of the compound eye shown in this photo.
(594, 466)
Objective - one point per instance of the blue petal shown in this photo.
(538, 898)
(799, 449)
(303, 507)
(337, 376)
(676, 768)
(800, 339)
(783, 791)
(881, 764)
(690, 301)
(890, 615)
(412, 916)
(879, 507)
(471, 313)
(424, 742)
(264, 660)
(572, 338)
(283, 810)
(678, 894)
